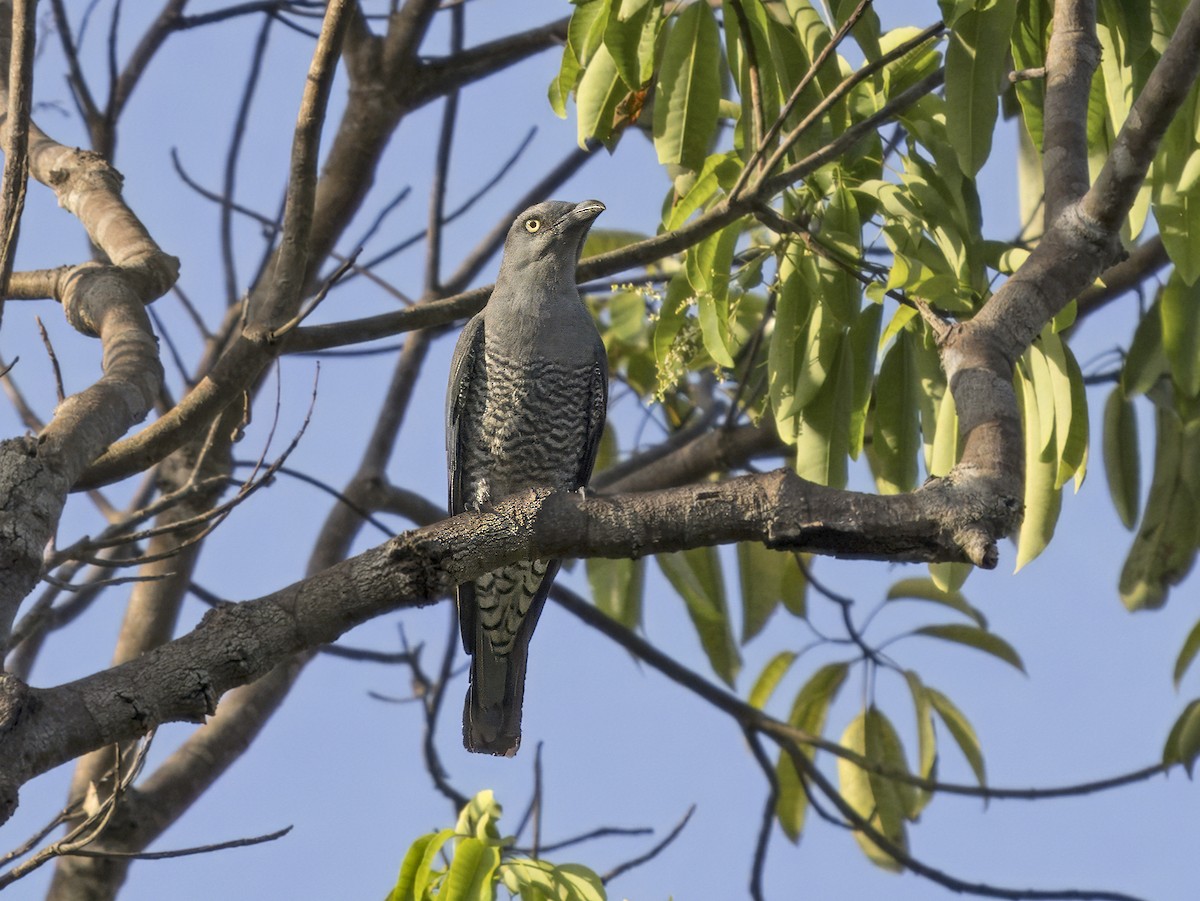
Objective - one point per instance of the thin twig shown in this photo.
(652, 853)
(182, 852)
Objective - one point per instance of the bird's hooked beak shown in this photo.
(584, 212)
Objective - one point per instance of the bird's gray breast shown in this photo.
(531, 426)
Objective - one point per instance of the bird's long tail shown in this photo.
(492, 714)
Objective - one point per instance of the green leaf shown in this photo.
(926, 738)
(897, 434)
(767, 578)
(630, 39)
(1175, 203)
(1191, 646)
(1042, 500)
(1164, 547)
(708, 267)
(768, 679)
(471, 871)
(596, 99)
(584, 35)
(671, 351)
(875, 799)
(718, 169)
(976, 65)
(539, 880)
(927, 590)
(1183, 743)
(823, 436)
(961, 731)
(617, 588)
(1146, 361)
(1180, 310)
(422, 873)
(689, 89)
(479, 817)
(1029, 39)
(809, 710)
(974, 637)
(696, 575)
(403, 890)
(1122, 458)
(864, 342)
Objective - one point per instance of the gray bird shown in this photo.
(525, 408)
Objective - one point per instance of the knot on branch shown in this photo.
(1082, 228)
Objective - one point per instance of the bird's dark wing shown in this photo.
(597, 409)
(468, 357)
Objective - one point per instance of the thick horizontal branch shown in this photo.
(237, 643)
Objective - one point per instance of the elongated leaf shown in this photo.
(708, 268)
(403, 890)
(864, 341)
(1183, 743)
(1122, 459)
(471, 870)
(600, 91)
(1029, 37)
(1146, 361)
(823, 439)
(974, 637)
(617, 588)
(1191, 646)
(961, 731)
(1042, 500)
(1180, 310)
(584, 34)
(927, 590)
(809, 710)
(539, 880)
(872, 797)
(767, 578)
(630, 40)
(696, 575)
(1074, 453)
(1164, 548)
(423, 875)
(897, 431)
(975, 70)
(1175, 201)
(718, 169)
(768, 679)
(689, 89)
(926, 738)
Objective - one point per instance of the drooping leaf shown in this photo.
(617, 588)
(1122, 459)
(689, 89)
(471, 871)
(600, 91)
(809, 710)
(874, 798)
(926, 738)
(768, 679)
(961, 731)
(1146, 361)
(927, 590)
(696, 575)
(708, 268)
(767, 578)
(1164, 547)
(823, 436)
(897, 434)
(1191, 646)
(975, 637)
(1183, 742)
(1180, 311)
(976, 65)
(1042, 500)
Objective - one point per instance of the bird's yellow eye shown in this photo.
(532, 225)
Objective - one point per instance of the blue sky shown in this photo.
(622, 746)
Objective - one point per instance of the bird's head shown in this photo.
(550, 235)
